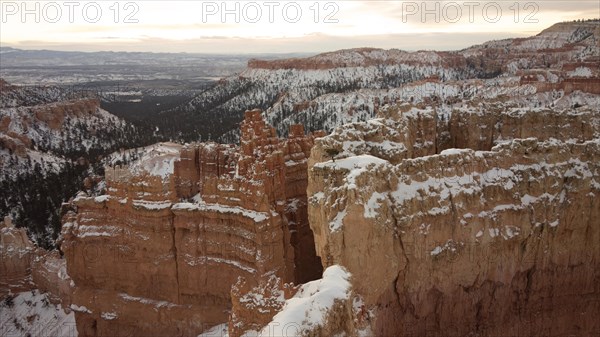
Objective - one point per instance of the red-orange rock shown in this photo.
(16, 254)
(462, 242)
(178, 228)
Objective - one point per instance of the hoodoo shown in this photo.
(176, 229)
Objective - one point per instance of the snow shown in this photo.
(351, 163)
(356, 166)
(510, 232)
(293, 205)
(317, 197)
(220, 330)
(581, 72)
(109, 316)
(337, 222)
(494, 232)
(441, 187)
(152, 205)
(157, 160)
(157, 304)
(308, 308)
(34, 313)
(438, 210)
(449, 152)
(373, 204)
(101, 198)
(202, 260)
(83, 231)
(203, 206)
(450, 245)
(81, 308)
(437, 250)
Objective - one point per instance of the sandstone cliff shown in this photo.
(499, 238)
(178, 228)
(24, 266)
(16, 254)
(34, 287)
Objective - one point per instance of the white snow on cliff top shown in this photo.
(157, 160)
(309, 307)
(305, 311)
(357, 165)
(355, 162)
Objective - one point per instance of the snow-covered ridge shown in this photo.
(48, 139)
(157, 160)
(310, 307)
(334, 88)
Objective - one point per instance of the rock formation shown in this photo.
(16, 253)
(325, 307)
(24, 266)
(178, 228)
(497, 238)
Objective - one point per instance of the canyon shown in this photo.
(461, 202)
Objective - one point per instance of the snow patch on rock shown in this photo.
(308, 309)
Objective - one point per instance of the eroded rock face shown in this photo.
(178, 228)
(49, 274)
(254, 307)
(325, 307)
(498, 241)
(16, 253)
(24, 266)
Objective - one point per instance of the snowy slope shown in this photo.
(310, 307)
(32, 314)
(334, 88)
(48, 139)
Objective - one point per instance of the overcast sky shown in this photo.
(275, 26)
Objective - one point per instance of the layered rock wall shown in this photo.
(16, 254)
(24, 267)
(499, 242)
(178, 228)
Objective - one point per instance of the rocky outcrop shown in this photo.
(54, 114)
(254, 307)
(16, 253)
(177, 229)
(499, 239)
(482, 127)
(49, 274)
(325, 307)
(24, 267)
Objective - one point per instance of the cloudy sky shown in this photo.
(275, 26)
